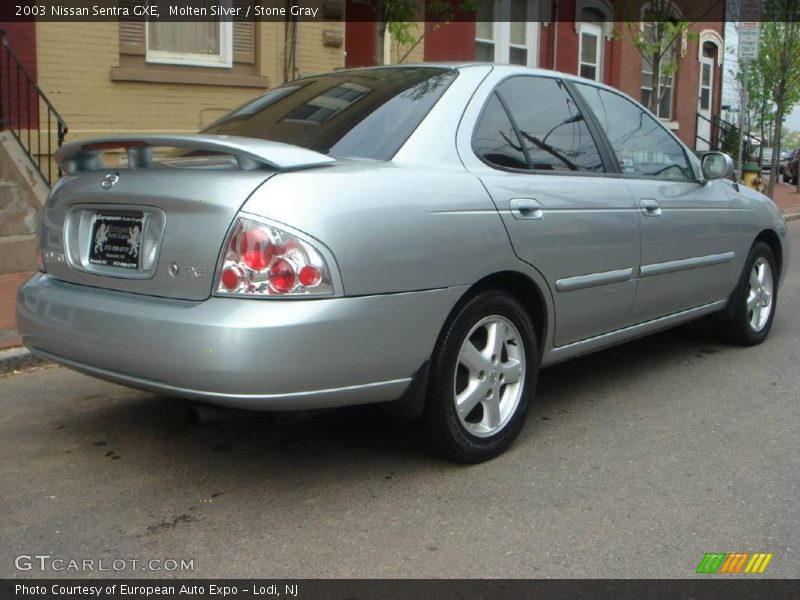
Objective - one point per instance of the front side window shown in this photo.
(643, 146)
(359, 114)
(553, 131)
(199, 43)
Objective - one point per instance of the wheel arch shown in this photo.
(526, 290)
(772, 240)
(523, 287)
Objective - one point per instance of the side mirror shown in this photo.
(716, 165)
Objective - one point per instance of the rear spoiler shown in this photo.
(250, 153)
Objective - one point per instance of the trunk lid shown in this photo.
(156, 228)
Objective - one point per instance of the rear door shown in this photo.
(691, 230)
(536, 156)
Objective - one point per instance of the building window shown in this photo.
(507, 31)
(198, 43)
(662, 106)
(590, 55)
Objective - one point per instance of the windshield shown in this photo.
(365, 113)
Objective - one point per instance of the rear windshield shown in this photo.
(362, 114)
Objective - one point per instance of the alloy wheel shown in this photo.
(490, 376)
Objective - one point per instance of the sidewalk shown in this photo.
(8, 314)
(787, 199)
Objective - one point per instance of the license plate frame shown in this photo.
(116, 239)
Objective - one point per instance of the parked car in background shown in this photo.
(766, 160)
(426, 237)
(792, 167)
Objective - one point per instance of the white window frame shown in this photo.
(597, 31)
(501, 30)
(222, 60)
(668, 81)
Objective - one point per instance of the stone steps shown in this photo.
(18, 253)
(16, 217)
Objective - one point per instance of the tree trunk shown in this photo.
(380, 37)
(655, 95)
(380, 31)
(776, 150)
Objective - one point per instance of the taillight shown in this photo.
(262, 260)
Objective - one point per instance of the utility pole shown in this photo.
(749, 36)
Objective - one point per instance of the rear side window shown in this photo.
(641, 144)
(366, 113)
(495, 140)
(552, 127)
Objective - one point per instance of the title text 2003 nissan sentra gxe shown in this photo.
(425, 237)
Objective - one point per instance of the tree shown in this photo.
(400, 17)
(779, 49)
(657, 28)
(759, 109)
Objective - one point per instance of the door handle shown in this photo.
(526, 208)
(650, 207)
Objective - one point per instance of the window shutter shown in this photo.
(244, 38)
(131, 31)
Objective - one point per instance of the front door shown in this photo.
(690, 229)
(704, 104)
(564, 214)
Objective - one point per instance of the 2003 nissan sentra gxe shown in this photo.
(425, 236)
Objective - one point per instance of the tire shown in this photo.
(748, 324)
(466, 365)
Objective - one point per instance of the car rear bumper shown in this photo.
(259, 354)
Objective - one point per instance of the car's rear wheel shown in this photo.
(754, 299)
(483, 376)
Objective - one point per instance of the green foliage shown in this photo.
(773, 79)
(657, 31)
(400, 18)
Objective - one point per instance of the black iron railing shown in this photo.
(28, 115)
(724, 137)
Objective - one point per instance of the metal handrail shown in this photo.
(18, 90)
(717, 128)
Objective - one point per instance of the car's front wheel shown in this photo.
(754, 299)
(483, 376)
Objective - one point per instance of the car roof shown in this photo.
(503, 68)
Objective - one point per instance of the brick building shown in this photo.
(121, 77)
(583, 37)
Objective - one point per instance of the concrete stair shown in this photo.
(22, 194)
(17, 253)
(17, 229)
(16, 216)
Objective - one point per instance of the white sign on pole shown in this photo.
(749, 29)
(749, 34)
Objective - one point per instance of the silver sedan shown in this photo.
(425, 237)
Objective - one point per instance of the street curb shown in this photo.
(15, 359)
(792, 216)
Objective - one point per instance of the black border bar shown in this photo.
(701, 587)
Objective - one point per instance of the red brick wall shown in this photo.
(449, 41)
(22, 37)
(359, 36)
(22, 40)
